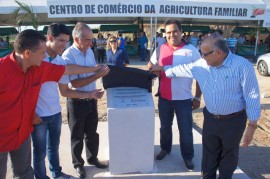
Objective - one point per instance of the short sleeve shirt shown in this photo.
(175, 88)
(19, 94)
(73, 55)
(48, 100)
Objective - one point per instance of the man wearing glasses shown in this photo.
(83, 112)
(175, 93)
(231, 95)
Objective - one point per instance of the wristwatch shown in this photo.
(197, 98)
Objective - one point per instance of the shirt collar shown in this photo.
(179, 47)
(16, 65)
(228, 60)
(77, 51)
(48, 58)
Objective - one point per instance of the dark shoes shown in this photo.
(63, 176)
(161, 154)
(98, 163)
(80, 171)
(189, 165)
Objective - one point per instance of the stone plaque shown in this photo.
(129, 97)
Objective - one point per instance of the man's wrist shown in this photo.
(162, 68)
(253, 125)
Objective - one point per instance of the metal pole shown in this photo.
(151, 36)
(256, 44)
(155, 32)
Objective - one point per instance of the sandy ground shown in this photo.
(253, 160)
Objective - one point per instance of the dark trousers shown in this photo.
(20, 162)
(221, 139)
(183, 111)
(101, 55)
(83, 122)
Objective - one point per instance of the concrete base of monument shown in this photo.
(172, 166)
(131, 125)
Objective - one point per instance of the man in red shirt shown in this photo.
(22, 74)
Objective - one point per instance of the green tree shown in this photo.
(25, 13)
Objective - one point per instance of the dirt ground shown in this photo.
(253, 160)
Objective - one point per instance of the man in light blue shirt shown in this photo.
(83, 112)
(194, 39)
(231, 94)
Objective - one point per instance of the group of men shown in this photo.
(30, 103)
(37, 68)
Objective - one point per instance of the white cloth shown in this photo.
(48, 101)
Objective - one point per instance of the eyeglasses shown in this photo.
(112, 41)
(206, 54)
(87, 40)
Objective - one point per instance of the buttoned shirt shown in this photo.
(18, 98)
(119, 58)
(228, 88)
(161, 41)
(73, 55)
(48, 101)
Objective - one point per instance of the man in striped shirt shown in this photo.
(232, 42)
(231, 94)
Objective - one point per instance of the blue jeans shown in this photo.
(183, 111)
(143, 53)
(46, 137)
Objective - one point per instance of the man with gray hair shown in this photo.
(83, 112)
(231, 94)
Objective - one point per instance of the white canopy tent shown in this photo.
(229, 12)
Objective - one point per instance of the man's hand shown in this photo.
(37, 120)
(195, 104)
(99, 67)
(96, 94)
(248, 136)
(156, 68)
(103, 71)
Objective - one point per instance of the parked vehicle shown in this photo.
(263, 64)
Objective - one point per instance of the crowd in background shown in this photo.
(100, 44)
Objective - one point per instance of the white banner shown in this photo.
(155, 8)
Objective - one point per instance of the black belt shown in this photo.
(84, 99)
(228, 116)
